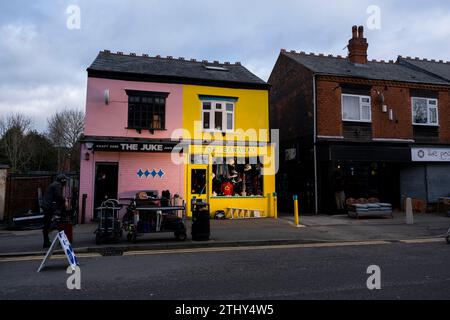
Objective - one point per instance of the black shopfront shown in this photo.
(363, 171)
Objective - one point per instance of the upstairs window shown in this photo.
(356, 108)
(425, 111)
(146, 110)
(218, 116)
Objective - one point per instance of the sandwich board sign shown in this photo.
(61, 238)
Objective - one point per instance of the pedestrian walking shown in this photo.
(53, 204)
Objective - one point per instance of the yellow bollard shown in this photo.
(296, 211)
(275, 205)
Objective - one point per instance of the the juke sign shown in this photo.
(134, 147)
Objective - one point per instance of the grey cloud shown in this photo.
(43, 63)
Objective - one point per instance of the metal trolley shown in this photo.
(109, 225)
(149, 216)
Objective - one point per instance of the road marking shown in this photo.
(54, 257)
(433, 240)
(255, 248)
(229, 249)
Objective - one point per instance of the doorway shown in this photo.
(106, 183)
(198, 182)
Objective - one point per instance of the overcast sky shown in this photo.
(43, 63)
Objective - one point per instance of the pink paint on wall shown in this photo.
(111, 120)
(129, 181)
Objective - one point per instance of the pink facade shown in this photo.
(129, 181)
(111, 121)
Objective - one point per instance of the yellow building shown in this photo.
(230, 160)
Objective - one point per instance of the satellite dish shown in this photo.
(107, 96)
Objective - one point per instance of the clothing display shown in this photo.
(237, 178)
(227, 189)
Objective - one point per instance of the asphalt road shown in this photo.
(408, 271)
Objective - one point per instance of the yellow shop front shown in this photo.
(238, 180)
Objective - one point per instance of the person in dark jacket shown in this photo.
(53, 204)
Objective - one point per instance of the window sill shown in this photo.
(217, 131)
(238, 197)
(357, 121)
(425, 125)
(139, 130)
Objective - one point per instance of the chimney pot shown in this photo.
(355, 32)
(361, 32)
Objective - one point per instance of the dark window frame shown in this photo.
(144, 106)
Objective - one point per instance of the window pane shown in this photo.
(351, 110)
(365, 113)
(433, 116)
(230, 107)
(156, 122)
(241, 177)
(198, 182)
(420, 111)
(229, 121)
(206, 105)
(206, 120)
(218, 121)
(218, 106)
(432, 102)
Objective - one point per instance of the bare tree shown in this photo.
(64, 130)
(13, 130)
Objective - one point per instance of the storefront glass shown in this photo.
(237, 177)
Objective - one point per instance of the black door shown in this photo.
(106, 183)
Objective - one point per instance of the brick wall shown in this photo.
(329, 112)
(444, 117)
(397, 98)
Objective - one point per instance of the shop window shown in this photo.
(356, 108)
(425, 111)
(146, 110)
(218, 116)
(237, 177)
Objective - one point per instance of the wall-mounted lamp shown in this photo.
(106, 96)
(391, 114)
(89, 145)
(87, 156)
(385, 108)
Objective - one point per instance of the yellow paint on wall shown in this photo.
(251, 114)
(251, 110)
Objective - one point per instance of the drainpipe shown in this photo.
(316, 195)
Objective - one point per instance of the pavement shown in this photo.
(235, 233)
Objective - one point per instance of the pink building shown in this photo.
(107, 173)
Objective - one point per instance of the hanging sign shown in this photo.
(61, 238)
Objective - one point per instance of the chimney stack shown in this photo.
(357, 46)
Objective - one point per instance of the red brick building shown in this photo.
(381, 127)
